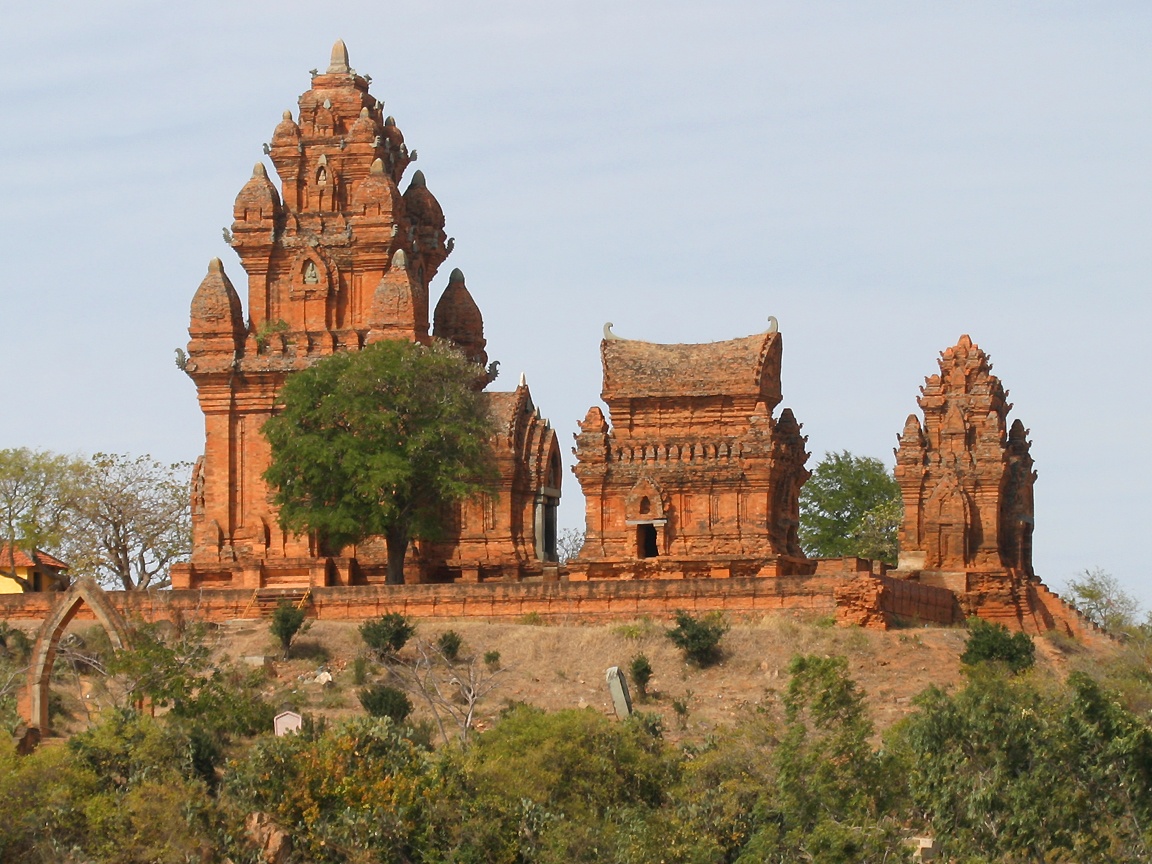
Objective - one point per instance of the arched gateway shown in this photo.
(44, 654)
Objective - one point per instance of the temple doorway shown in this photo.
(646, 541)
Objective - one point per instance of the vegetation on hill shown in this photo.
(1013, 767)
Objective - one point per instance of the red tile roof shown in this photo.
(22, 559)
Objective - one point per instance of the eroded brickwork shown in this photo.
(693, 476)
(966, 478)
(335, 259)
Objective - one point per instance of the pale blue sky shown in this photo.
(881, 177)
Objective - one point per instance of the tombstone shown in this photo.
(287, 721)
(618, 687)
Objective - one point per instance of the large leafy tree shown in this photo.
(37, 490)
(130, 521)
(850, 506)
(1008, 770)
(379, 442)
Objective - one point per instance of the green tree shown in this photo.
(834, 793)
(379, 442)
(850, 506)
(641, 671)
(1098, 594)
(988, 641)
(698, 638)
(287, 621)
(354, 792)
(130, 520)
(37, 490)
(1006, 771)
(387, 634)
(381, 700)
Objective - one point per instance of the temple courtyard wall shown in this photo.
(828, 593)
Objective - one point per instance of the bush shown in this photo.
(287, 621)
(492, 659)
(449, 644)
(388, 634)
(641, 672)
(699, 638)
(380, 700)
(360, 670)
(992, 642)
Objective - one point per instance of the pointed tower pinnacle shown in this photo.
(339, 62)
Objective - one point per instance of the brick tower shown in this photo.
(965, 476)
(338, 258)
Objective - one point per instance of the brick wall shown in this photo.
(490, 600)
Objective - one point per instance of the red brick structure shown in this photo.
(337, 258)
(966, 479)
(694, 476)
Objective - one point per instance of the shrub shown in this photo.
(641, 672)
(360, 670)
(449, 644)
(381, 700)
(388, 634)
(287, 621)
(699, 638)
(682, 706)
(14, 643)
(492, 659)
(989, 641)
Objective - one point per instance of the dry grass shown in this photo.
(556, 666)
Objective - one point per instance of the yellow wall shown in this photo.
(11, 586)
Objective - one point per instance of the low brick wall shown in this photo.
(576, 601)
(882, 601)
(914, 602)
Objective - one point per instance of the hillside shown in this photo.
(556, 666)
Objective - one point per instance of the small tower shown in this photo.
(966, 478)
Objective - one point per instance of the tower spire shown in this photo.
(339, 62)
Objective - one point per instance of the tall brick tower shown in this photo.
(336, 259)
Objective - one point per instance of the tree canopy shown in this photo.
(379, 442)
(37, 490)
(121, 519)
(131, 520)
(850, 506)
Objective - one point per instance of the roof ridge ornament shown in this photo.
(609, 336)
(773, 324)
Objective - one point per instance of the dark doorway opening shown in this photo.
(646, 541)
(550, 530)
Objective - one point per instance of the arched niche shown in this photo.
(44, 654)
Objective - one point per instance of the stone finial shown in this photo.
(773, 324)
(377, 167)
(457, 275)
(400, 259)
(339, 63)
(259, 171)
(418, 181)
(389, 120)
(523, 380)
(216, 307)
(287, 115)
(609, 336)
